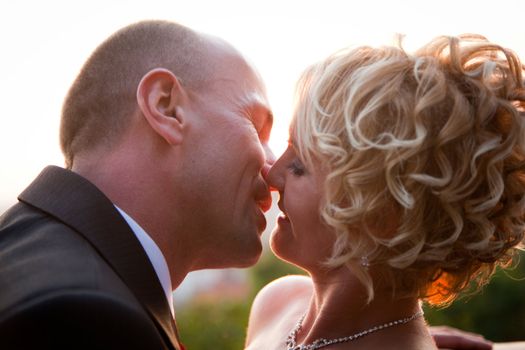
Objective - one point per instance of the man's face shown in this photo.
(226, 194)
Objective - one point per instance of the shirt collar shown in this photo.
(154, 254)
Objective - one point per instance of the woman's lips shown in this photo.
(283, 219)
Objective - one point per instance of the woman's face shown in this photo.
(300, 236)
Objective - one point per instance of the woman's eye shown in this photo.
(297, 168)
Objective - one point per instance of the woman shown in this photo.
(404, 181)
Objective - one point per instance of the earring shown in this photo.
(364, 262)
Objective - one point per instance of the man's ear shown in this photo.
(160, 96)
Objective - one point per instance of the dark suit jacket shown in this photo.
(73, 275)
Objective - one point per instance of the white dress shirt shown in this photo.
(155, 256)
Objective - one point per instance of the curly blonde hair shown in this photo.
(425, 161)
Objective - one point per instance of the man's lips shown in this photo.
(265, 204)
(261, 222)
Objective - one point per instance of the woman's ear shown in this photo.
(160, 97)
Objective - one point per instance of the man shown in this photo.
(164, 133)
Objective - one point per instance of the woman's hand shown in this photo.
(453, 338)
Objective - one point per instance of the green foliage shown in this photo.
(268, 269)
(498, 312)
(221, 325)
(213, 325)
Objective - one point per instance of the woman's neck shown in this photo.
(339, 308)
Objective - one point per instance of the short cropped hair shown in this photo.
(103, 97)
(424, 155)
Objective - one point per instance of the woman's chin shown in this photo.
(278, 244)
(283, 247)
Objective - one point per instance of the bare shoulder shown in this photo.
(284, 287)
(276, 299)
(277, 294)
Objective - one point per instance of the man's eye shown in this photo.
(297, 168)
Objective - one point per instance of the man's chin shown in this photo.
(248, 256)
(252, 258)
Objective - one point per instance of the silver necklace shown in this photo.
(291, 340)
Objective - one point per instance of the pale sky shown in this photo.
(44, 43)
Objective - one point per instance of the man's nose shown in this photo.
(263, 195)
(269, 162)
(265, 172)
(270, 157)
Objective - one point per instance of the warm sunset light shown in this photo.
(45, 43)
(181, 232)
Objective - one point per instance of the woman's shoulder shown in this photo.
(282, 292)
(282, 288)
(278, 298)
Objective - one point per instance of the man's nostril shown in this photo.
(265, 170)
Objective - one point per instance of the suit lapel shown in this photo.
(79, 204)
